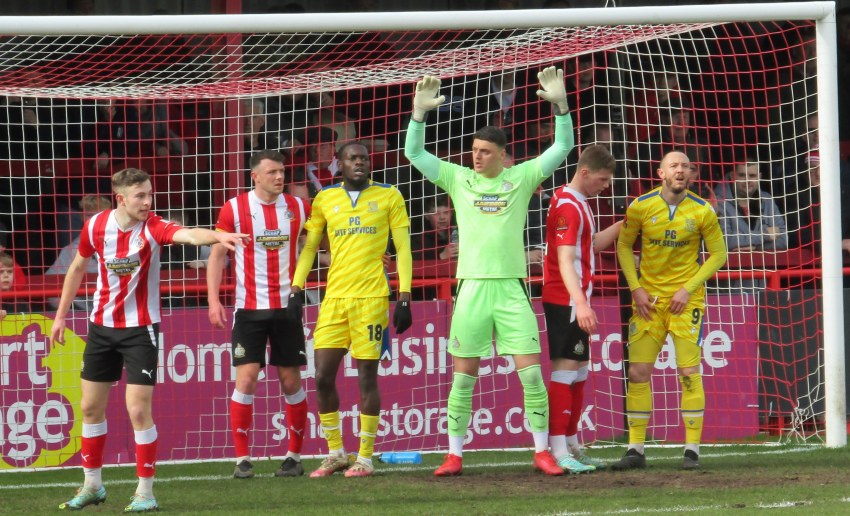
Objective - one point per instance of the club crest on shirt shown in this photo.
(288, 215)
(373, 206)
(138, 242)
(336, 209)
(562, 224)
(691, 225)
(272, 239)
(654, 219)
(507, 186)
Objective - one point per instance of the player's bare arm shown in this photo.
(76, 272)
(201, 236)
(607, 237)
(585, 315)
(215, 268)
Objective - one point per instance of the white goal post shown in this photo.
(830, 356)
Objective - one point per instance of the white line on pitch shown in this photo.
(391, 469)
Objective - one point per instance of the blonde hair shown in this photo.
(95, 203)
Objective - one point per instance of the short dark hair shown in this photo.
(493, 135)
(341, 150)
(431, 203)
(595, 158)
(260, 155)
(129, 177)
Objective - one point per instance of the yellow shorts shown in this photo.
(358, 324)
(647, 337)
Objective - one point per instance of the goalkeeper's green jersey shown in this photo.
(491, 212)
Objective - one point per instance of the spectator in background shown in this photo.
(803, 214)
(535, 133)
(179, 257)
(345, 128)
(592, 92)
(503, 101)
(114, 134)
(7, 283)
(256, 138)
(644, 115)
(676, 133)
(26, 128)
(320, 152)
(749, 218)
(91, 205)
(157, 138)
(438, 240)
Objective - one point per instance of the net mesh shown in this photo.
(190, 109)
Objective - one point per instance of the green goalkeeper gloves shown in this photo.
(552, 89)
(426, 97)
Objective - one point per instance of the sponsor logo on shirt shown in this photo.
(123, 266)
(490, 204)
(272, 239)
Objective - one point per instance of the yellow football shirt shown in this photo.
(358, 232)
(671, 238)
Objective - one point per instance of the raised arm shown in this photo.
(202, 236)
(552, 89)
(425, 99)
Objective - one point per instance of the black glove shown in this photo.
(402, 319)
(295, 307)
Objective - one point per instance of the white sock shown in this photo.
(693, 447)
(295, 456)
(92, 478)
(361, 460)
(573, 445)
(240, 459)
(541, 441)
(337, 453)
(558, 446)
(637, 447)
(145, 486)
(456, 445)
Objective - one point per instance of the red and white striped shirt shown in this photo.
(569, 222)
(127, 293)
(264, 269)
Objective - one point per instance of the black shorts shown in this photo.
(252, 329)
(109, 349)
(566, 338)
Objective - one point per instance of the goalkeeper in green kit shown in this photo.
(491, 205)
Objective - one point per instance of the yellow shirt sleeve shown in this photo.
(626, 245)
(404, 258)
(712, 236)
(315, 227)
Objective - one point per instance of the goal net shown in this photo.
(189, 105)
